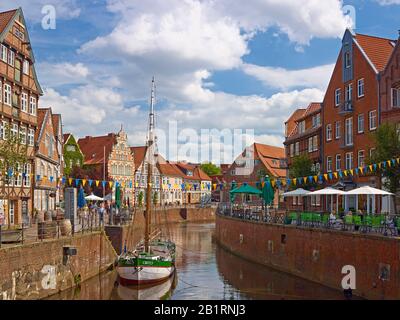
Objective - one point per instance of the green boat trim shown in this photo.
(143, 262)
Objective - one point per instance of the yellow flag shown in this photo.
(273, 183)
(110, 183)
(370, 167)
(305, 179)
(70, 181)
(345, 172)
(335, 174)
(83, 182)
(361, 170)
(315, 178)
(97, 183)
(294, 181)
(352, 172)
(326, 176)
(283, 182)
(389, 163)
(398, 160)
(379, 165)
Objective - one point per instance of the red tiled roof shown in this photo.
(377, 49)
(169, 169)
(270, 156)
(5, 18)
(291, 122)
(138, 154)
(202, 175)
(93, 148)
(313, 107)
(66, 137)
(41, 114)
(56, 123)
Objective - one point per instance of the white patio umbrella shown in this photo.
(93, 197)
(369, 191)
(329, 192)
(296, 193)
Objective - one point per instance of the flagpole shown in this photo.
(104, 170)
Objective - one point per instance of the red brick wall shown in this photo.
(21, 267)
(316, 255)
(369, 102)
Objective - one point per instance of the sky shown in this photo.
(219, 64)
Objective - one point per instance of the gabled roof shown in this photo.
(93, 148)
(198, 174)
(56, 123)
(313, 108)
(271, 158)
(66, 136)
(378, 50)
(169, 169)
(291, 123)
(139, 153)
(42, 116)
(5, 18)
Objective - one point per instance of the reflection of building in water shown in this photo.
(259, 282)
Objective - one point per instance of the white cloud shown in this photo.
(387, 2)
(65, 9)
(284, 79)
(62, 73)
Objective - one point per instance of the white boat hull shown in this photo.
(144, 275)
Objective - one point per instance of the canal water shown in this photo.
(205, 271)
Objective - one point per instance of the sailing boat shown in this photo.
(153, 260)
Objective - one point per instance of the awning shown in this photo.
(296, 193)
(246, 189)
(93, 197)
(327, 191)
(369, 190)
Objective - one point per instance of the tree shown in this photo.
(387, 146)
(210, 169)
(302, 166)
(13, 159)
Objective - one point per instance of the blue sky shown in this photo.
(220, 64)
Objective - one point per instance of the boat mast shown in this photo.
(150, 155)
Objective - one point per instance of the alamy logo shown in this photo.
(349, 280)
(49, 19)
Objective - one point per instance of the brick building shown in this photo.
(255, 162)
(48, 162)
(111, 155)
(19, 95)
(351, 108)
(305, 138)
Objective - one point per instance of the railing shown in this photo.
(383, 224)
(346, 106)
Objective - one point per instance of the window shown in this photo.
(349, 132)
(4, 53)
(292, 150)
(328, 132)
(347, 60)
(17, 70)
(1, 91)
(360, 123)
(32, 105)
(24, 102)
(297, 148)
(395, 97)
(12, 212)
(302, 127)
(3, 130)
(338, 162)
(360, 88)
(329, 164)
(349, 92)
(361, 158)
(337, 130)
(31, 135)
(22, 135)
(14, 130)
(27, 178)
(17, 175)
(11, 58)
(372, 120)
(337, 97)
(7, 94)
(315, 143)
(310, 144)
(26, 67)
(316, 120)
(349, 160)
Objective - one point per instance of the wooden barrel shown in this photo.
(47, 230)
(65, 227)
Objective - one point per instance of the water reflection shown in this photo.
(205, 271)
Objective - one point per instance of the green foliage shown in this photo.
(301, 167)
(387, 142)
(210, 169)
(140, 199)
(155, 198)
(72, 156)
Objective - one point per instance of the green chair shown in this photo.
(348, 223)
(376, 223)
(367, 223)
(357, 222)
(325, 220)
(316, 219)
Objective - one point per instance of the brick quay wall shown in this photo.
(41, 269)
(133, 233)
(317, 255)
